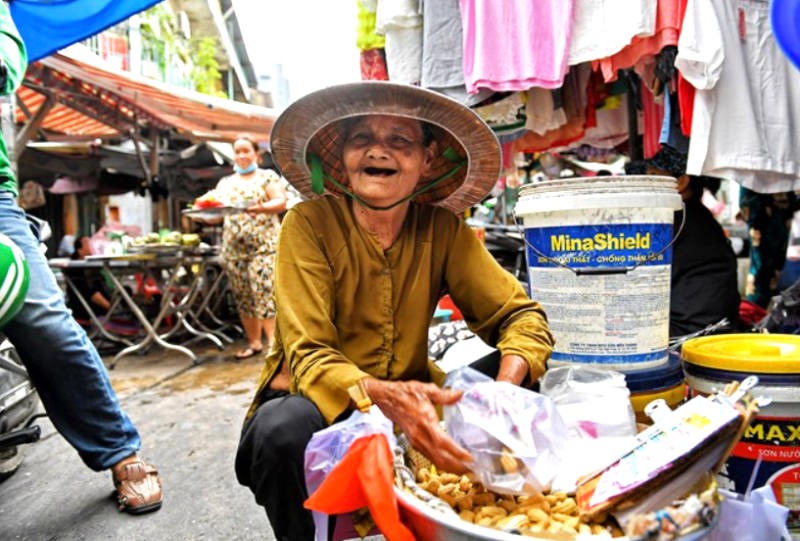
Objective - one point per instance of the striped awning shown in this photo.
(78, 99)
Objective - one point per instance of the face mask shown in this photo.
(243, 171)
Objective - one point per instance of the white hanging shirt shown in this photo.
(601, 28)
(746, 121)
(401, 22)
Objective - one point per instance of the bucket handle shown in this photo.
(603, 270)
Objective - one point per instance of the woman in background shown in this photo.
(249, 240)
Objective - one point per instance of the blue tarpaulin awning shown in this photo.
(47, 26)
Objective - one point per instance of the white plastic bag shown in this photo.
(594, 402)
(329, 445)
(516, 436)
(758, 517)
(595, 405)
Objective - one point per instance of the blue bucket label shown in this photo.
(619, 320)
(596, 246)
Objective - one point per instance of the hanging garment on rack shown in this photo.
(442, 59)
(373, 65)
(601, 28)
(515, 44)
(746, 120)
(401, 22)
(642, 49)
(685, 88)
(652, 120)
(578, 104)
(366, 38)
(542, 113)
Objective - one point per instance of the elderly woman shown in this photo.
(359, 270)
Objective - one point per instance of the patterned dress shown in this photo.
(249, 242)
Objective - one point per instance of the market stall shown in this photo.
(596, 85)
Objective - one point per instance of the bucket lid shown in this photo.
(608, 184)
(630, 191)
(753, 353)
(657, 378)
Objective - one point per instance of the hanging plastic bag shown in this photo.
(328, 448)
(515, 436)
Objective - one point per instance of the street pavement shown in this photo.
(189, 417)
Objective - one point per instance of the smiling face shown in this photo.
(244, 153)
(385, 157)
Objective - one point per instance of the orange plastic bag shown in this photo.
(363, 478)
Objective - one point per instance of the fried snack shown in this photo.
(531, 514)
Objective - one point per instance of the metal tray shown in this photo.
(431, 519)
(213, 212)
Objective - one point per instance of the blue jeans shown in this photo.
(63, 364)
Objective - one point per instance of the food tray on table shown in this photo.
(210, 213)
(156, 248)
(432, 519)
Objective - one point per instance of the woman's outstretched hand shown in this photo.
(411, 406)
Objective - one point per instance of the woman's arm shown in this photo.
(497, 308)
(276, 202)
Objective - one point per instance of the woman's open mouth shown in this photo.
(379, 171)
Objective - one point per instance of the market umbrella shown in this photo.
(47, 26)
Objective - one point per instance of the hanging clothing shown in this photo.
(746, 122)
(442, 59)
(577, 97)
(401, 22)
(652, 120)
(601, 28)
(541, 111)
(642, 49)
(685, 88)
(373, 65)
(515, 44)
(366, 38)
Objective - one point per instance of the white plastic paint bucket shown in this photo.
(599, 253)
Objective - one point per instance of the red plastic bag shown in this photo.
(363, 478)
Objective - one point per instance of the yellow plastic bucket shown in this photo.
(663, 382)
(710, 362)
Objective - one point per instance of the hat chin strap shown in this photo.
(318, 177)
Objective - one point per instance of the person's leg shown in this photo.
(269, 329)
(252, 330)
(64, 366)
(270, 461)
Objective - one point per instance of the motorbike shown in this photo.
(19, 403)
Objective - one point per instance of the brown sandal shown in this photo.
(138, 487)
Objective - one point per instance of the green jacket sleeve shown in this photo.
(12, 51)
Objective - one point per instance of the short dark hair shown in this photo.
(77, 245)
(250, 139)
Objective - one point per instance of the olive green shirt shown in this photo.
(12, 51)
(347, 309)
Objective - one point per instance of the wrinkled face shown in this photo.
(244, 153)
(385, 157)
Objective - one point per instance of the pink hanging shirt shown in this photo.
(515, 44)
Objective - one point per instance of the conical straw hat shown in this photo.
(312, 125)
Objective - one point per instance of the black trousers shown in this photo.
(270, 457)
